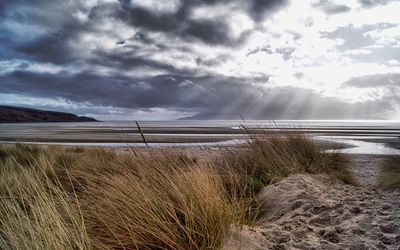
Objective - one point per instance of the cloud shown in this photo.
(181, 23)
(381, 89)
(208, 31)
(330, 7)
(373, 81)
(297, 103)
(209, 97)
(259, 8)
(265, 59)
(50, 48)
(353, 37)
(100, 112)
(161, 91)
(62, 36)
(372, 3)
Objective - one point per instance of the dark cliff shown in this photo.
(9, 114)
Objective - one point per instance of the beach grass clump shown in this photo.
(82, 198)
(22, 154)
(178, 209)
(36, 213)
(389, 176)
(158, 201)
(57, 198)
(266, 159)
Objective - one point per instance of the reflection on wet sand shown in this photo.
(361, 137)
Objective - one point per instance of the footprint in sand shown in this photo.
(314, 212)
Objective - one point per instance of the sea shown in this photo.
(364, 136)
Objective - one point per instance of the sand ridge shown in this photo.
(315, 212)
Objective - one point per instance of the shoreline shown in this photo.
(302, 210)
(367, 146)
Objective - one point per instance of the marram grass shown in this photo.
(77, 198)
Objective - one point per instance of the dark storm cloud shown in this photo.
(155, 55)
(49, 48)
(63, 29)
(142, 17)
(257, 9)
(126, 61)
(164, 91)
(49, 27)
(212, 31)
(209, 31)
(5, 49)
(211, 97)
(215, 61)
(260, 8)
(330, 7)
(59, 40)
(50, 15)
(2, 7)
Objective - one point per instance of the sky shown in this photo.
(202, 59)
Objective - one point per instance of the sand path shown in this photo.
(314, 212)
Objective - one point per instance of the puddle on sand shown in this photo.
(138, 145)
(358, 146)
(362, 147)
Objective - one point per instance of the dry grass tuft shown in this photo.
(182, 209)
(62, 198)
(389, 177)
(270, 158)
(35, 213)
(81, 198)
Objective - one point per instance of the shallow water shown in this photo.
(363, 147)
(201, 133)
(139, 145)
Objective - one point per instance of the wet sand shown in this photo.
(191, 131)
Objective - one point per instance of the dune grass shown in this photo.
(270, 158)
(78, 198)
(55, 198)
(35, 212)
(389, 176)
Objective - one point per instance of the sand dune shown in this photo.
(314, 212)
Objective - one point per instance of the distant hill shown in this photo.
(9, 114)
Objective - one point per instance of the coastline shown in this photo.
(301, 210)
(341, 134)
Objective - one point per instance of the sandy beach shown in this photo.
(314, 212)
(310, 210)
(200, 124)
